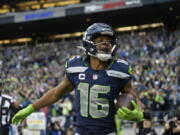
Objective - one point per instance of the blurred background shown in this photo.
(37, 37)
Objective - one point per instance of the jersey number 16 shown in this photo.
(90, 101)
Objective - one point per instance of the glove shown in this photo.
(22, 114)
(134, 115)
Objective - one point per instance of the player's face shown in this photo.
(103, 44)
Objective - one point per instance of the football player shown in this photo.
(97, 79)
(8, 107)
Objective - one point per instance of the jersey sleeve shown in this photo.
(67, 73)
(71, 68)
(126, 69)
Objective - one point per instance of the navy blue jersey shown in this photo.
(95, 91)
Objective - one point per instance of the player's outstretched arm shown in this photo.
(54, 94)
(49, 98)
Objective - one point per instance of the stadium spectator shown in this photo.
(145, 127)
(54, 128)
(172, 127)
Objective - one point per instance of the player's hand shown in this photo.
(22, 114)
(134, 115)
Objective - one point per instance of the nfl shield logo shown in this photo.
(95, 76)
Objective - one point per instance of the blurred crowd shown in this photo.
(29, 71)
(155, 75)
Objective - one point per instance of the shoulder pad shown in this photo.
(76, 69)
(75, 65)
(117, 74)
(121, 69)
(73, 59)
(8, 97)
(122, 61)
(125, 65)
